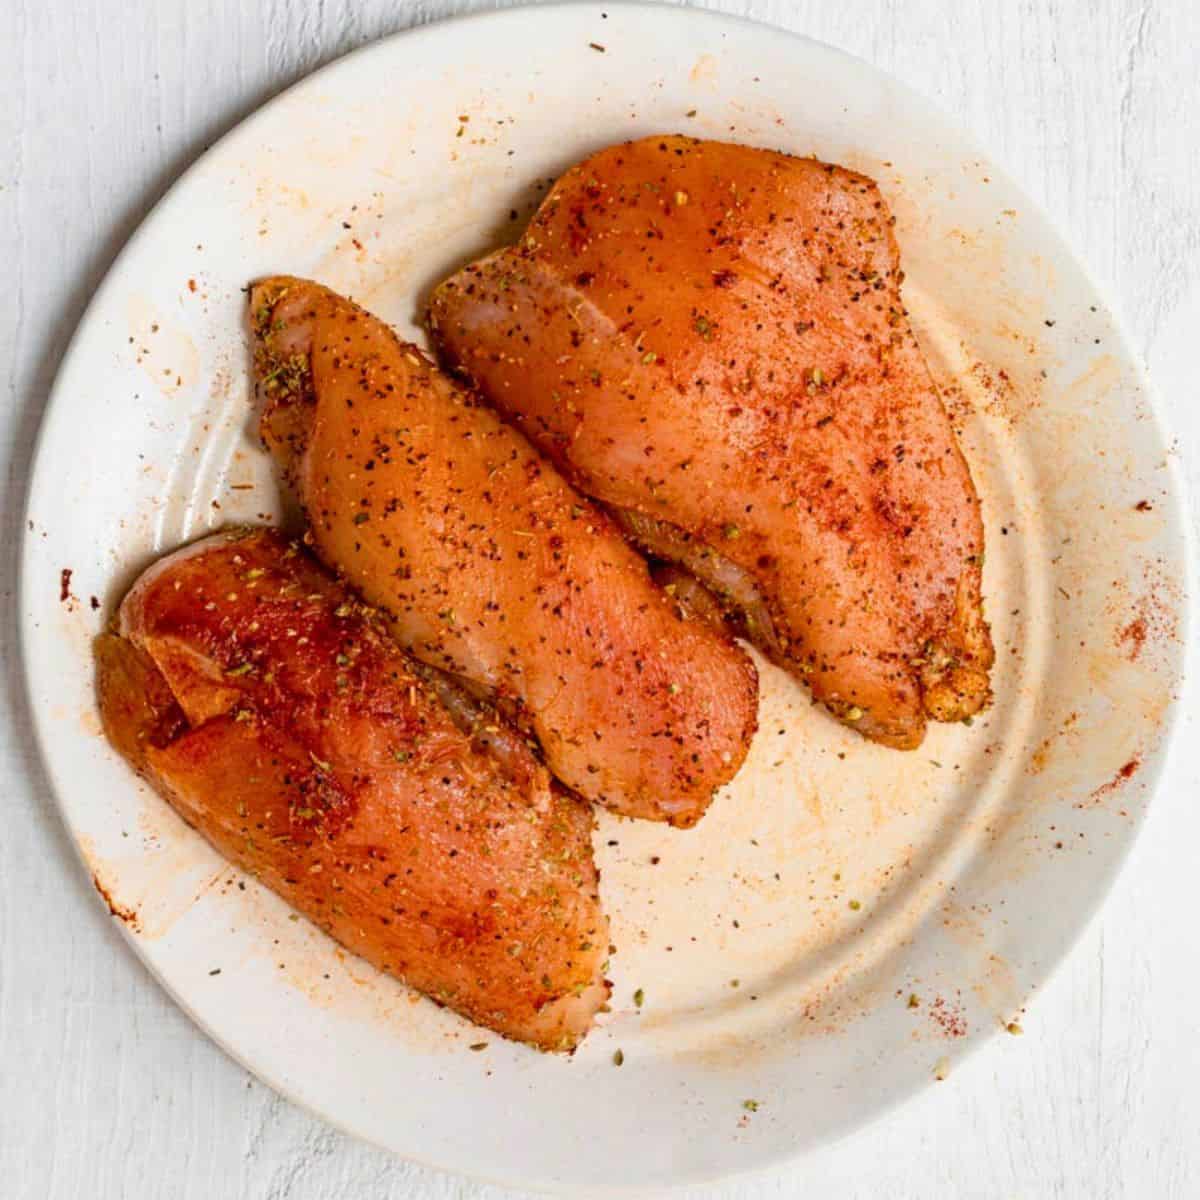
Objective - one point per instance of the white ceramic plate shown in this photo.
(779, 943)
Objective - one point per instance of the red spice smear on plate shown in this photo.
(1123, 775)
(128, 915)
(1134, 637)
(949, 1019)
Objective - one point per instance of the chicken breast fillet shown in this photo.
(490, 566)
(710, 339)
(279, 718)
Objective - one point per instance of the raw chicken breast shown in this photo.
(710, 339)
(490, 566)
(277, 715)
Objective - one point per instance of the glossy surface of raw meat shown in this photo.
(710, 339)
(490, 566)
(279, 718)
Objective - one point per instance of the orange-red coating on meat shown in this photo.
(711, 339)
(278, 716)
(490, 566)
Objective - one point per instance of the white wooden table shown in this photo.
(107, 1090)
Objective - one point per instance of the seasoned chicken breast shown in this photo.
(711, 340)
(490, 566)
(278, 717)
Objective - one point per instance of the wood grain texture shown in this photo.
(107, 1090)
